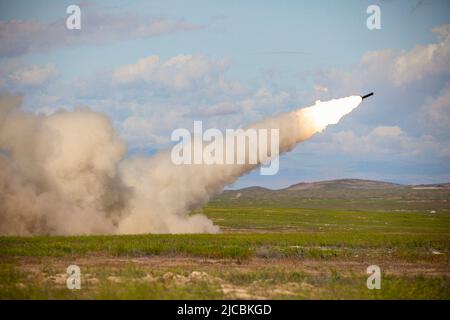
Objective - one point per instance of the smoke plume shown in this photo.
(66, 173)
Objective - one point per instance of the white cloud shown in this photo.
(179, 72)
(402, 67)
(391, 69)
(436, 111)
(19, 37)
(137, 71)
(422, 61)
(384, 141)
(34, 75)
(260, 103)
(14, 75)
(143, 131)
(221, 109)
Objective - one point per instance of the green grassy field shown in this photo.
(262, 253)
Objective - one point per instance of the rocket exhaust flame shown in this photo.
(330, 112)
(66, 174)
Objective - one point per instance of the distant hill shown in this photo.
(253, 189)
(432, 186)
(344, 184)
(352, 194)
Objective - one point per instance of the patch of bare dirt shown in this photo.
(200, 266)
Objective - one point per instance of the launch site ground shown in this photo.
(310, 241)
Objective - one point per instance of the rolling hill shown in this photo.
(341, 184)
(352, 194)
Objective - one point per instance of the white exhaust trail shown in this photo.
(65, 173)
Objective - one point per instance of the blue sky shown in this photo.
(239, 61)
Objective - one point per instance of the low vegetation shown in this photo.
(263, 252)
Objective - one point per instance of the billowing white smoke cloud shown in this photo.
(66, 174)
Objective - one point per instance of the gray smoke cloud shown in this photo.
(66, 173)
